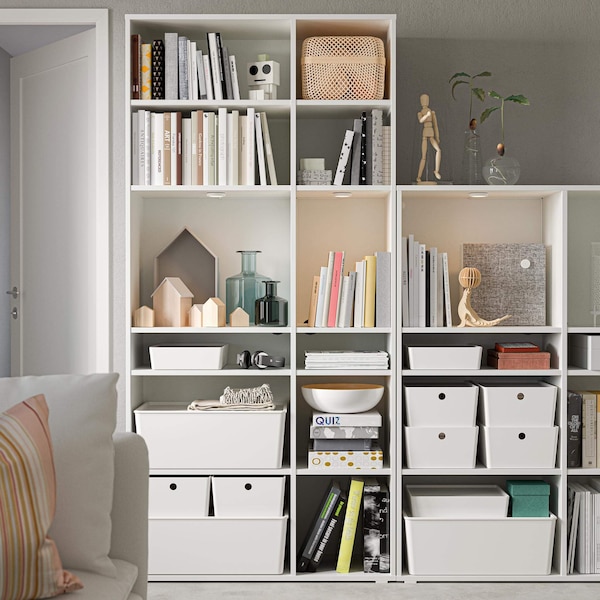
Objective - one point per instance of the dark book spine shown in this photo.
(136, 49)
(221, 66)
(158, 70)
(574, 422)
(333, 525)
(363, 149)
(317, 528)
(376, 529)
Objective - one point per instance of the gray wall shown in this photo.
(545, 49)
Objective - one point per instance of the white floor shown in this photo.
(372, 591)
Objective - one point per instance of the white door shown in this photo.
(54, 242)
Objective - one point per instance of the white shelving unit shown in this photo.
(295, 227)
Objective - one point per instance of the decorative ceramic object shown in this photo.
(342, 397)
(469, 279)
(271, 310)
(243, 289)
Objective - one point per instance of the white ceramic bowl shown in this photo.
(342, 397)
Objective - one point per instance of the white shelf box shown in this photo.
(217, 546)
(457, 501)
(584, 351)
(182, 497)
(518, 447)
(476, 546)
(444, 357)
(513, 405)
(212, 439)
(188, 356)
(447, 405)
(441, 447)
(248, 496)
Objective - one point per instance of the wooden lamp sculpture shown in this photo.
(470, 278)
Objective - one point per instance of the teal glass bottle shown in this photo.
(271, 310)
(243, 289)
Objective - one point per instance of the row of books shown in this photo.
(333, 531)
(205, 148)
(361, 298)
(365, 153)
(425, 285)
(583, 442)
(177, 68)
(348, 441)
(583, 526)
(346, 359)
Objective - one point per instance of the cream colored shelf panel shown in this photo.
(485, 372)
(342, 191)
(228, 371)
(212, 192)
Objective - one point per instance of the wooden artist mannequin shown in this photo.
(431, 135)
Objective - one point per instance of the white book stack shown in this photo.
(346, 359)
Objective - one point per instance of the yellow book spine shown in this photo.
(353, 508)
(370, 281)
(146, 72)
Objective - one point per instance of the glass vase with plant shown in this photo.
(501, 169)
(471, 164)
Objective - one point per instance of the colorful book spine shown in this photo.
(370, 286)
(315, 533)
(333, 525)
(574, 417)
(348, 460)
(336, 286)
(146, 72)
(314, 296)
(353, 510)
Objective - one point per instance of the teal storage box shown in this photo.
(529, 498)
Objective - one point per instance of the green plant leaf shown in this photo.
(479, 93)
(518, 98)
(487, 112)
(455, 84)
(461, 74)
(495, 95)
(483, 74)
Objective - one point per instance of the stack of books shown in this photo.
(517, 355)
(217, 147)
(583, 442)
(334, 531)
(348, 441)
(346, 359)
(583, 526)
(177, 68)
(360, 298)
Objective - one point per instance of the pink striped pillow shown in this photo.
(30, 566)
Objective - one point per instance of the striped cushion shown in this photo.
(30, 566)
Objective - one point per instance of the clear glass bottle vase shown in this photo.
(471, 165)
(271, 310)
(243, 289)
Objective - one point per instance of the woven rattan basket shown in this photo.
(340, 67)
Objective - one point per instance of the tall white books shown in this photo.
(215, 65)
(186, 150)
(344, 156)
(194, 116)
(447, 301)
(200, 75)
(404, 281)
(260, 150)
(433, 290)
(233, 148)
(383, 289)
(135, 149)
(268, 149)
(210, 95)
(234, 77)
(249, 151)
(210, 148)
(321, 297)
(222, 146)
(157, 126)
(421, 310)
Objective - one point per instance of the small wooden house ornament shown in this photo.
(143, 317)
(172, 301)
(239, 318)
(213, 313)
(195, 319)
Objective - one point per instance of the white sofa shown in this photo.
(101, 521)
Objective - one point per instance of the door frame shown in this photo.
(98, 20)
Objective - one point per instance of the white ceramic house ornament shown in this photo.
(143, 317)
(213, 313)
(171, 301)
(196, 319)
(239, 318)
